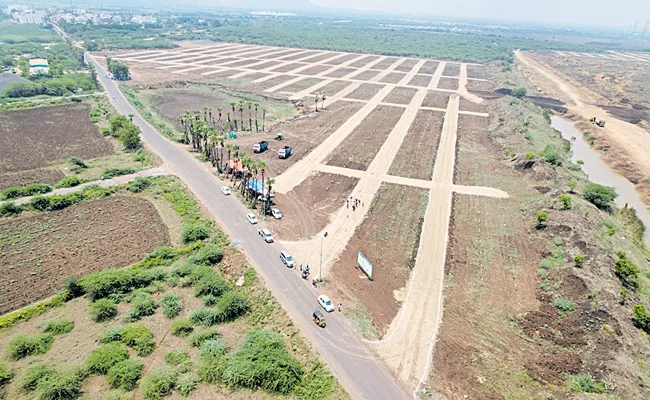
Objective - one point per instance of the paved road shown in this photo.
(359, 370)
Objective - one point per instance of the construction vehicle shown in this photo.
(260, 147)
(284, 152)
(599, 122)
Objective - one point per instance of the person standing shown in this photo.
(339, 307)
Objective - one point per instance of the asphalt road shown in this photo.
(356, 367)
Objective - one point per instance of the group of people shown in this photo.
(354, 202)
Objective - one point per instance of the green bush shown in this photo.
(626, 271)
(599, 195)
(208, 281)
(22, 346)
(113, 334)
(71, 285)
(142, 305)
(587, 384)
(186, 383)
(315, 385)
(114, 172)
(10, 208)
(103, 310)
(61, 386)
(5, 374)
(24, 191)
(195, 232)
(519, 92)
(197, 338)
(171, 304)
(101, 284)
(262, 360)
(159, 383)
(552, 156)
(232, 305)
(125, 374)
(139, 184)
(542, 217)
(77, 162)
(208, 255)
(139, 337)
(566, 201)
(640, 317)
(70, 181)
(162, 256)
(530, 155)
(205, 316)
(183, 269)
(177, 356)
(57, 326)
(182, 327)
(212, 366)
(213, 347)
(34, 374)
(579, 260)
(250, 277)
(210, 300)
(563, 305)
(102, 358)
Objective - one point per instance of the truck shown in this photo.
(284, 152)
(260, 146)
(599, 122)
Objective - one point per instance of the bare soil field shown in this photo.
(406, 65)
(475, 71)
(301, 85)
(221, 74)
(337, 73)
(341, 59)
(37, 137)
(359, 149)
(436, 99)
(451, 69)
(448, 83)
(242, 63)
(318, 58)
(307, 208)
(366, 75)
(386, 63)
(316, 69)
(280, 54)
(261, 86)
(365, 92)
(466, 105)
(288, 67)
(23, 178)
(363, 61)
(392, 77)
(265, 65)
(429, 67)
(298, 56)
(388, 237)
(420, 80)
(400, 95)
(335, 87)
(38, 252)
(479, 86)
(417, 154)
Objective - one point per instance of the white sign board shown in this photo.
(364, 264)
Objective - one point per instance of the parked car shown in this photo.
(251, 218)
(276, 213)
(287, 259)
(225, 190)
(266, 235)
(326, 303)
(319, 319)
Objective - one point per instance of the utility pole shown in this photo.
(320, 269)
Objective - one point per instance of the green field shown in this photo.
(13, 33)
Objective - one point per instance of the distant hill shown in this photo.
(6, 78)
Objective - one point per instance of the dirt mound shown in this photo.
(535, 168)
(549, 368)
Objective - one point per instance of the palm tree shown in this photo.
(257, 128)
(262, 166)
(229, 147)
(241, 114)
(263, 118)
(205, 114)
(323, 97)
(219, 110)
(317, 100)
(269, 182)
(210, 114)
(234, 115)
(250, 118)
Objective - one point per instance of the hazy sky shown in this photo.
(591, 12)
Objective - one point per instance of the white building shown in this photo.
(30, 18)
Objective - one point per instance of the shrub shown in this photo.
(232, 305)
(139, 337)
(159, 383)
(208, 255)
(197, 338)
(530, 156)
(182, 327)
(640, 317)
(250, 277)
(262, 360)
(101, 284)
(572, 186)
(113, 334)
(519, 92)
(10, 208)
(139, 184)
(626, 271)
(542, 217)
(315, 385)
(77, 162)
(212, 366)
(205, 316)
(71, 285)
(182, 270)
(208, 281)
(113, 172)
(70, 181)
(102, 358)
(142, 305)
(186, 383)
(34, 374)
(103, 310)
(60, 386)
(563, 305)
(177, 356)
(212, 347)
(599, 195)
(29, 190)
(587, 384)
(5, 374)
(552, 156)
(125, 374)
(210, 300)
(22, 346)
(579, 260)
(164, 255)
(195, 232)
(57, 326)
(623, 299)
(566, 201)
(171, 304)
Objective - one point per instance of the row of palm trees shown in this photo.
(321, 96)
(231, 117)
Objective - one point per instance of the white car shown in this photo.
(276, 213)
(225, 190)
(326, 303)
(266, 235)
(251, 218)
(287, 259)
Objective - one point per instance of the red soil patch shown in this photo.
(268, 64)
(242, 63)
(436, 99)
(448, 83)
(420, 80)
(417, 154)
(365, 92)
(280, 54)
(388, 237)
(479, 86)
(400, 95)
(359, 149)
(475, 71)
(272, 82)
(335, 87)
(392, 77)
(38, 252)
(298, 56)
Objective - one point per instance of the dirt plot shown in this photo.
(22, 178)
(436, 99)
(400, 95)
(333, 88)
(365, 75)
(479, 86)
(466, 105)
(288, 67)
(386, 63)
(451, 69)
(260, 53)
(265, 65)
(429, 67)
(363, 61)
(406, 65)
(359, 149)
(319, 58)
(299, 56)
(301, 85)
(392, 77)
(337, 73)
(272, 82)
(316, 69)
(417, 154)
(388, 237)
(215, 61)
(280, 54)
(304, 133)
(365, 92)
(36, 137)
(38, 252)
(242, 63)
(475, 71)
(307, 208)
(420, 80)
(341, 59)
(224, 74)
(448, 83)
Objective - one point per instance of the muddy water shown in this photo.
(599, 172)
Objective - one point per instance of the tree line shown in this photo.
(117, 69)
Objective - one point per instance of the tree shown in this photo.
(542, 217)
(234, 115)
(323, 97)
(519, 92)
(118, 70)
(566, 201)
(257, 128)
(626, 271)
(317, 100)
(129, 136)
(599, 195)
(241, 114)
(263, 118)
(219, 110)
(269, 183)
(250, 117)
(640, 317)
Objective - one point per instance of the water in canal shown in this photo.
(599, 172)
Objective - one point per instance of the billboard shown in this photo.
(364, 264)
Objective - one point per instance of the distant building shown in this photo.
(38, 66)
(30, 18)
